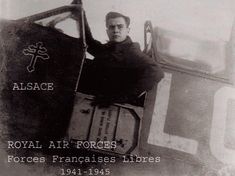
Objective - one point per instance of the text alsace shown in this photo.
(33, 86)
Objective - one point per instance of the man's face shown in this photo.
(117, 29)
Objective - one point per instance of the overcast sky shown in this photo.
(203, 19)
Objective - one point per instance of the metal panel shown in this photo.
(119, 123)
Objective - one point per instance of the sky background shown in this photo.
(203, 19)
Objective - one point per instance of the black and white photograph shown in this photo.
(117, 88)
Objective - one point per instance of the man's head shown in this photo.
(117, 26)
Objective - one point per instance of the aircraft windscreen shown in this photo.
(210, 55)
(190, 52)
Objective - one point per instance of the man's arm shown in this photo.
(151, 73)
(95, 47)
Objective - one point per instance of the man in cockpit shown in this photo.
(120, 71)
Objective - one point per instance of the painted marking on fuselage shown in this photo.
(36, 51)
(218, 127)
(157, 136)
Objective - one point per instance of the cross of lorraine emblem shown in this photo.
(36, 51)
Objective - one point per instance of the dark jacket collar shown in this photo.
(126, 41)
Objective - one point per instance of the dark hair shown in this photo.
(116, 15)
